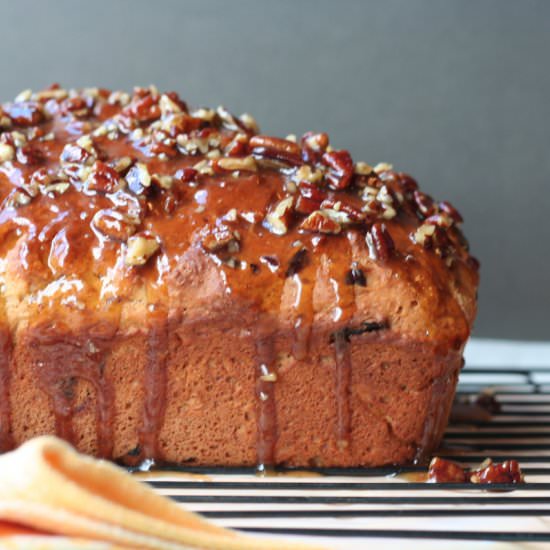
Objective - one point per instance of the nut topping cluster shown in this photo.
(57, 142)
(446, 471)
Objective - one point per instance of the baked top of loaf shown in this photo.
(116, 205)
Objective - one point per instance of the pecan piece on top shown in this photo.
(425, 205)
(276, 148)
(138, 178)
(321, 221)
(380, 242)
(103, 178)
(140, 248)
(279, 218)
(30, 155)
(340, 169)
(24, 113)
(231, 164)
(313, 146)
(220, 238)
(114, 224)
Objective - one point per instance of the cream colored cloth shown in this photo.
(53, 497)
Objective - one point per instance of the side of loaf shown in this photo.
(177, 286)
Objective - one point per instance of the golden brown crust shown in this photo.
(176, 286)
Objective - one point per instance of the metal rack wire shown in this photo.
(347, 506)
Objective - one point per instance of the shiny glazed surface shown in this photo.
(121, 213)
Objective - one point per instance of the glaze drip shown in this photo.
(303, 306)
(265, 397)
(6, 439)
(100, 192)
(155, 378)
(58, 369)
(343, 313)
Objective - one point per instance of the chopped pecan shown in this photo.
(407, 183)
(228, 120)
(7, 152)
(363, 169)
(383, 167)
(278, 219)
(306, 174)
(77, 106)
(276, 148)
(311, 191)
(204, 167)
(24, 95)
(140, 248)
(238, 146)
(347, 212)
(313, 146)
(249, 123)
(24, 113)
(206, 115)
(446, 471)
(30, 155)
(144, 109)
(122, 164)
(56, 188)
(440, 219)
(321, 222)
(138, 178)
(199, 142)
(219, 238)
(246, 164)
(163, 151)
(162, 181)
(186, 175)
(423, 235)
(51, 93)
(306, 205)
(340, 168)
(18, 197)
(508, 471)
(424, 203)
(103, 178)
(168, 106)
(380, 242)
(114, 224)
(75, 154)
(42, 176)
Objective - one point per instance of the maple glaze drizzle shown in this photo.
(155, 389)
(343, 312)
(303, 305)
(6, 439)
(57, 239)
(433, 420)
(155, 375)
(266, 439)
(62, 363)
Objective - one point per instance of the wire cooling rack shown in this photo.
(386, 507)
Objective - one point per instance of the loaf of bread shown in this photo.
(177, 286)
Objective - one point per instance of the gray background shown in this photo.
(455, 92)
